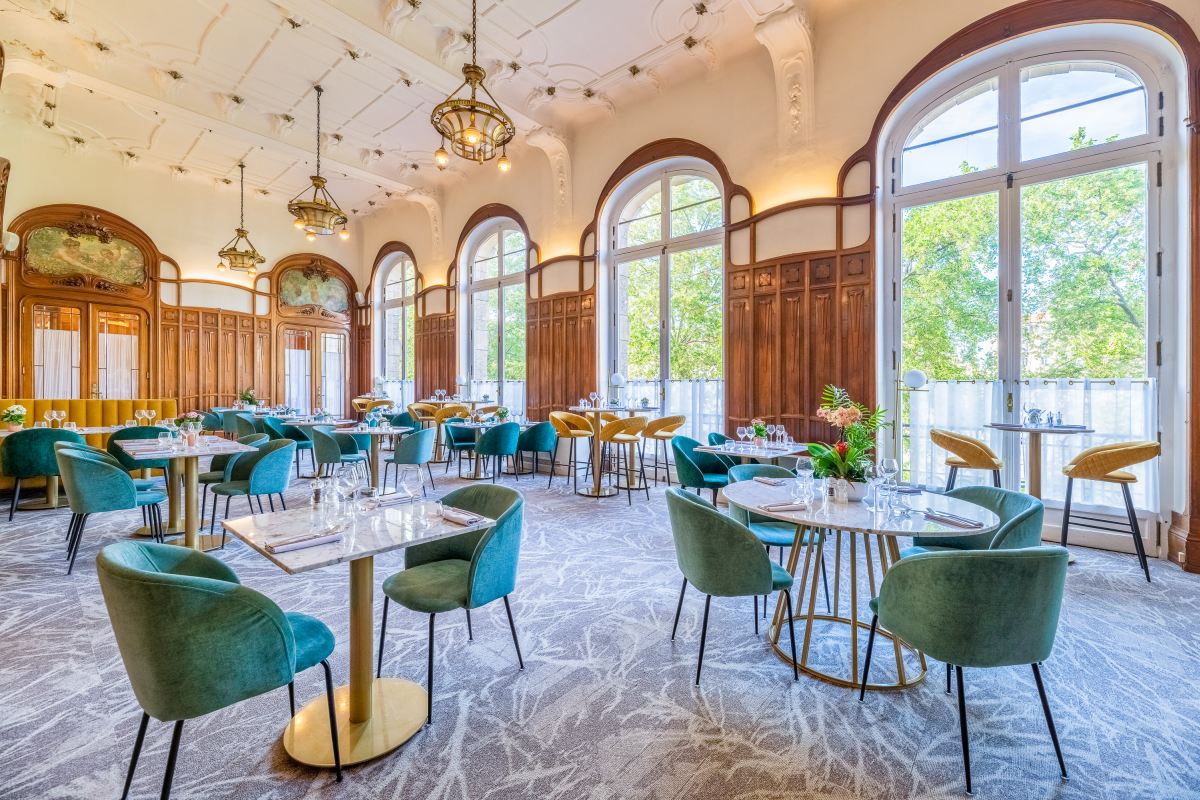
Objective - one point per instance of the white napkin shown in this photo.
(459, 517)
(777, 507)
(311, 539)
(770, 481)
(952, 520)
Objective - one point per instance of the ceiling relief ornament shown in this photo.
(555, 148)
(787, 34)
(398, 13)
(433, 207)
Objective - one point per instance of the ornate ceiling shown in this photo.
(195, 86)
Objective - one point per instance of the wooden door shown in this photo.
(54, 359)
(119, 353)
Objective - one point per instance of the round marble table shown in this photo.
(854, 525)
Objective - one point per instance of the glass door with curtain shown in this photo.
(119, 345)
(334, 378)
(298, 387)
(56, 354)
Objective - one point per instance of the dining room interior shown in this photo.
(472, 369)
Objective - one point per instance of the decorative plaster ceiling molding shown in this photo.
(397, 13)
(555, 147)
(433, 207)
(453, 47)
(703, 51)
(787, 33)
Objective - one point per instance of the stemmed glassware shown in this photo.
(771, 428)
(150, 415)
(594, 397)
(741, 434)
(49, 415)
(410, 481)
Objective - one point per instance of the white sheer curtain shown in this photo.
(296, 389)
(701, 401)
(118, 367)
(333, 374)
(56, 367)
(960, 406)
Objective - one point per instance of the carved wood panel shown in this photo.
(560, 352)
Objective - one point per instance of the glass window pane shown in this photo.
(297, 366)
(399, 280)
(410, 343)
(333, 373)
(485, 336)
(487, 260)
(514, 262)
(638, 319)
(1072, 105)
(514, 347)
(695, 314)
(695, 205)
(117, 354)
(959, 136)
(393, 343)
(641, 219)
(56, 351)
(1083, 275)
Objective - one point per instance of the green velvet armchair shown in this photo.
(253, 475)
(332, 450)
(976, 608)
(416, 449)
(278, 429)
(194, 640)
(496, 444)
(1020, 523)
(465, 571)
(698, 470)
(220, 469)
(721, 557)
(28, 454)
(537, 439)
(129, 463)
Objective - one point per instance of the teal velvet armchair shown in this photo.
(220, 469)
(332, 450)
(99, 454)
(721, 557)
(278, 429)
(95, 485)
(29, 453)
(718, 439)
(537, 439)
(496, 444)
(245, 425)
(253, 475)
(416, 449)
(456, 440)
(976, 608)
(698, 470)
(194, 640)
(1020, 523)
(141, 432)
(465, 571)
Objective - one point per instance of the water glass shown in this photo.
(131, 423)
(164, 440)
(368, 499)
(40, 424)
(70, 426)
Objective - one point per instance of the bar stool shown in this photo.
(439, 418)
(569, 427)
(966, 453)
(660, 432)
(422, 414)
(622, 435)
(1107, 463)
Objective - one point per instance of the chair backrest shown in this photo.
(245, 424)
(978, 608)
(450, 410)
(274, 427)
(140, 432)
(977, 454)
(621, 427)
(717, 439)
(415, 449)
(748, 472)
(565, 423)
(1096, 462)
(325, 447)
(29, 453)
(86, 450)
(402, 420)
(220, 462)
(267, 470)
(422, 412)
(487, 409)
(454, 433)
(229, 418)
(690, 465)
(94, 484)
(1020, 520)
(717, 554)
(193, 639)
(500, 440)
(664, 425)
(539, 438)
(493, 552)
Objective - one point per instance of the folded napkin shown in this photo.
(777, 507)
(148, 451)
(459, 517)
(311, 539)
(953, 520)
(770, 481)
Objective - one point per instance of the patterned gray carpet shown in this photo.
(605, 708)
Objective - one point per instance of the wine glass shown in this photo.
(889, 468)
(348, 482)
(741, 433)
(60, 415)
(49, 415)
(770, 432)
(150, 415)
(409, 481)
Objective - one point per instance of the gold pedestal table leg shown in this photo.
(51, 500)
(374, 715)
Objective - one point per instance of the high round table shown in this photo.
(858, 524)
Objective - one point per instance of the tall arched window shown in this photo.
(398, 291)
(496, 257)
(1025, 206)
(666, 245)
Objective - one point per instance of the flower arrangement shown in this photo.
(248, 396)
(857, 427)
(14, 415)
(191, 416)
(502, 413)
(760, 428)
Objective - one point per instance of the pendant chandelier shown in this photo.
(319, 215)
(476, 130)
(232, 257)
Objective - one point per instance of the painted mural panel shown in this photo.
(55, 252)
(314, 286)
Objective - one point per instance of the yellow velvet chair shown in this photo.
(422, 413)
(90, 414)
(1107, 463)
(364, 404)
(622, 436)
(659, 432)
(966, 453)
(570, 428)
(440, 415)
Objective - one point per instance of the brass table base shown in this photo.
(397, 714)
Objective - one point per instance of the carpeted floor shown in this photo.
(605, 708)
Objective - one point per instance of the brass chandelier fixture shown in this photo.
(319, 215)
(476, 130)
(232, 257)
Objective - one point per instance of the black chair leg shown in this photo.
(951, 478)
(137, 750)
(169, 777)
(862, 689)
(703, 637)
(470, 632)
(429, 469)
(996, 478)
(333, 726)
(1136, 530)
(71, 529)
(382, 633)
(292, 697)
(512, 627)
(1066, 518)
(948, 671)
(270, 499)
(1037, 676)
(429, 679)
(16, 496)
(678, 608)
(75, 541)
(962, 725)
(553, 459)
(282, 502)
(787, 600)
(756, 613)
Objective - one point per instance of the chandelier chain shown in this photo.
(319, 90)
(242, 215)
(474, 34)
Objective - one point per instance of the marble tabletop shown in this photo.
(390, 527)
(749, 451)
(151, 450)
(612, 409)
(376, 431)
(858, 516)
(312, 423)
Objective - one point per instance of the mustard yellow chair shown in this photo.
(660, 432)
(364, 404)
(1107, 463)
(966, 453)
(89, 414)
(570, 427)
(440, 416)
(622, 436)
(486, 410)
(422, 413)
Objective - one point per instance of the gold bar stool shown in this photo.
(966, 453)
(440, 417)
(660, 432)
(622, 435)
(569, 427)
(1107, 463)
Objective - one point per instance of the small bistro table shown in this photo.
(835, 521)
(595, 414)
(480, 428)
(184, 463)
(374, 715)
(1035, 432)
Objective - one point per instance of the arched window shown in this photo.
(397, 291)
(1024, 207)
(666, 256)
(496, 256)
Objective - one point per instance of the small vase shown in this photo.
(14, 426)
(760, 441)
(847, 491)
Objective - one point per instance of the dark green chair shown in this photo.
(537, 439)
(245, 425)
(771, 532)
(194, 640)
(402, 420)
(130, 464)
(465, 571)
(416, 450)
(211, 422)
(1020, 523)
(278, 429)
(496, 444)
(721, 557)
(95, 485)
(976, 608)
(331, 450)
(220, 468)
(457, 440)
(717, 440)
(698, 470)
(29, 453)
(229, 421)
(267, 472)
